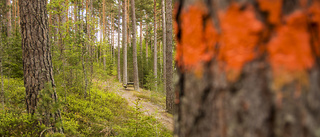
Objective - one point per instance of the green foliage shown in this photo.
(13, 124)
(104, 113)
(14, 121)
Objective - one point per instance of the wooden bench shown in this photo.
(129, 83)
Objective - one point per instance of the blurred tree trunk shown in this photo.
(37, 64)
(134, 42)
(250, 70)
(168, 59)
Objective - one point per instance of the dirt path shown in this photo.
(147, 107)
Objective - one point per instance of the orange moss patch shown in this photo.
(240, 36)
(197, 40)
(273, 7)
(289, 50)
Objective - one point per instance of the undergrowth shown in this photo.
(103, 113)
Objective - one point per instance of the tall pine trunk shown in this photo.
(146, 41)
(37, 64)
(1, 68)
(134, 43)
(140, 43)
(119, 52)
(124, 44)
(169, 65)
(251, 68)
(155, 57)
(103, 48)
(164, 43)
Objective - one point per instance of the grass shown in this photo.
(156, 98)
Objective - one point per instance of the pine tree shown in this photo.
(134, 42)
(119, 52)
(38, 72)
(124, 42)
(155, 55)
(168, 65)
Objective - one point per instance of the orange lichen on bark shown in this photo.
(289, 50)
(240, 35)
(273, 7)
(198, 38)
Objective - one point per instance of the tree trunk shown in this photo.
(37, 64)
(84, 53)
(1, 69)
(9, 28)
(104, 34)
(251, 68)
(140, 40)
(146, 41)
(134, 42)
(119, 52)
(124, 42)
(168, 60)
(164, 43)
(155, 58)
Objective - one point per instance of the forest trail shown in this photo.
(147, 107)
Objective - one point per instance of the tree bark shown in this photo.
(168, 65)
(124, 42)
(164, 43)
(134, 43)
(155, 57)
(119, 52)
(37, 64)
(241, 74)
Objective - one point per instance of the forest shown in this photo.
(150, 68)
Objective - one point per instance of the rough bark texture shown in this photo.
(119, 52)
(37, 64)
(168, 65)
(215, 102)
(124, 42)
(155, 55)
(134, 43)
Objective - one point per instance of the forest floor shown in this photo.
(151, 103)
